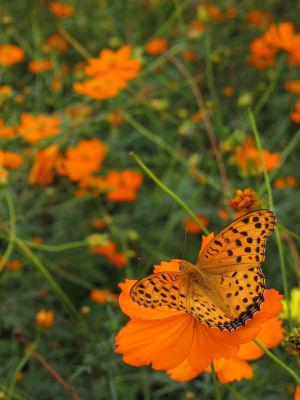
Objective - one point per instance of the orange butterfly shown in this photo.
(226, 286)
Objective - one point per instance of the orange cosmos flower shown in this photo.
(102, 296)
(295, 115)
(9, 159)
(245, 200)
(293, 87)
(288, 181)
(156, 46)
(248, 160)
(122, 186)
(10, 54)
(44, 319)
(39, 66)
(33, 128)
(5, 90)
(179, 344)
(99, 223)
(228, 91)
(6, 132)
(14, 265)
(110, 73)
(191, 226)
(61, 10)
(83, 159)
(262, 54)
(109, 250)
(281, 36)
(55, 42)
(42, 171)
(259, 19)
(297, 393)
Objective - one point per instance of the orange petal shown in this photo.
(183, 372)
(234, 370)
(172, 266)
(297, 393)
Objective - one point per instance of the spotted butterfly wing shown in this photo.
(232, 262)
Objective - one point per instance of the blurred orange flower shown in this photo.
(281, 36)
(109, 250)
(181, 345)
(55, 42)
(248, 160)
(122, 186)
(259, 18)
(297, 393)
(228, 91)
(44, 319)
(293, 87)
(295, 115)
(14, 265)
(288, 181)
(156, 46)
(10, 54)
(39, 66)
(9, 159)
(33, 128)
(115, 118)
(61, 10)
(6, 132)
(245, 200)
(262, 55)
(110, 73)
(98, 223)
(191, 226)
(5, 90)
(83, 159)
(43, 169)
(102, 296)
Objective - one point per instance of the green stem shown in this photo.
(169, 149)
(169, 192)
(215, 381)
(278, 361)
(271, 205)
(12, 231)
(19, 367)
(66, 302)
(56, 248)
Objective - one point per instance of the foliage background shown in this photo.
(150, 229)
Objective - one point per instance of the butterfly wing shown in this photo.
(175, 290)
(231, 264)
(241, 243)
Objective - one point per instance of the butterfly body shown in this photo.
(225, 287)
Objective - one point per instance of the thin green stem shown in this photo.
(56, 248)
(169, 192)
(271, 206)
(12, 229)
(64, 299)
(169, 149)
(19, 367)
(279, 362)
(215, 381)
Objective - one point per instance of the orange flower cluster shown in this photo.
(191, 226)
(277, 37)
(248, 160)
(10, 54)
(175, 342)
(13, 265)
(83, 159)
(109, 251)
(44, 319)
(5, 90)
(245, 200)
(102, 296)
(43, 169)
(39, 66)
(109, 72)
(288, 181)
(55, 42)
(61, 10)
(33, 128)
(9, 159)
(156, 46)
(6, 132)
(260, 19)
(122, 186)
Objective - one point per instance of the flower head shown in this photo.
(245, 200)
(10, 54)
(44, 319)
(177, 343)
(43, 169)
(156, 46)
(33, 128)
(61, 10)
(102, 296)
(39, 66)
(192, 227)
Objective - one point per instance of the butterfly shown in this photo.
(226, 285)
